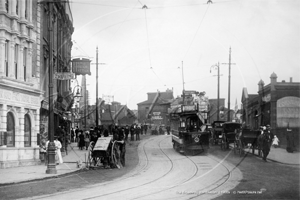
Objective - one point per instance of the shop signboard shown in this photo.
(81, 66)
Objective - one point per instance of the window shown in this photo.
(6, 57)
(10, 128)
(16, 60)
(26, 10)
(6, 5)
(27, 131)
(24, 62)
(17, 7)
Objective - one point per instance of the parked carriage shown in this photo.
(228, 134)
(104, 153)
(216, 132)
(246, 138)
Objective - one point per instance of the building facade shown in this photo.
(23, 76)
(54, 44)
(19, 84)
(276, 104)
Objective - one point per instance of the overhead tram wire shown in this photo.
(196, 31)
(97, 4)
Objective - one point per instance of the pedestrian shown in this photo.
(142, 129)
(87, 140)
(145, 128)
(265, 142)
(275, 142)
(290, 140)
(137, 132)
(132, 131)
(126, 130)
(168, 129)
(81, 140)
(76, 134)
(58, 146)
(72, 134)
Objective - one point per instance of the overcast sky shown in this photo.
(144, 50)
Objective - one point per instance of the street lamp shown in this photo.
(51, 166)
(217, 66)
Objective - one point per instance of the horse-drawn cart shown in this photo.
(105, 153)
(246, 138)
(228, 134)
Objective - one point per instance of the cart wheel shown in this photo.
(241, 148)
(90, 159)
(235, 146)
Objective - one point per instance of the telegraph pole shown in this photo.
(229, 76)
(182, 82)
(218, 102)
(97, 88)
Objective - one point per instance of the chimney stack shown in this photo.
(291, 79)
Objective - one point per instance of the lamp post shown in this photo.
(51, 167)
(218, 102)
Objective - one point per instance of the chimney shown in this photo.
(291, 79)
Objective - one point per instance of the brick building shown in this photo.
(276, 104)
(155, 109)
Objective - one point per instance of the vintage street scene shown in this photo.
(149, 99)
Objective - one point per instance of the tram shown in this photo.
(186, 121)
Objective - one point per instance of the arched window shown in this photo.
(27, 131)
(10, 129)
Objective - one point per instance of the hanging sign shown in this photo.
(81, 66)
(64, 75)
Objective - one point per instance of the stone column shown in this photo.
(29, 63)
(20, 132)
(12, 7)
(22, 10)
(29, 11)
(37, 126)
(2, 56)
(11, 54)
(20, 63)
(2, 6)
(3, 114)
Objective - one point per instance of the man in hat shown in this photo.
(267, 139)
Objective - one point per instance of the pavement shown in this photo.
(38, 172)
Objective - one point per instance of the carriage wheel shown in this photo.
(235, 146)
(241, 148)
(223, 143)
(90, 158)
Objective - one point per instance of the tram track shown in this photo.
(125, 177)
(144, 184)
(132, 175)
(145, 162)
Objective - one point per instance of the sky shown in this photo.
(172, 42)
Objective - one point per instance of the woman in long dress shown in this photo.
(58, 146)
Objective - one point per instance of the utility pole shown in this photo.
(182, 81)
(97, 123)
(229, 76)
(97, 98)
(218, 102)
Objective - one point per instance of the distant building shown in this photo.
(117, 114)
(276, 104)
(155, 109)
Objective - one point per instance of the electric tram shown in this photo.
(186, 121)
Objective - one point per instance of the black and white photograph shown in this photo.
(149, 99)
